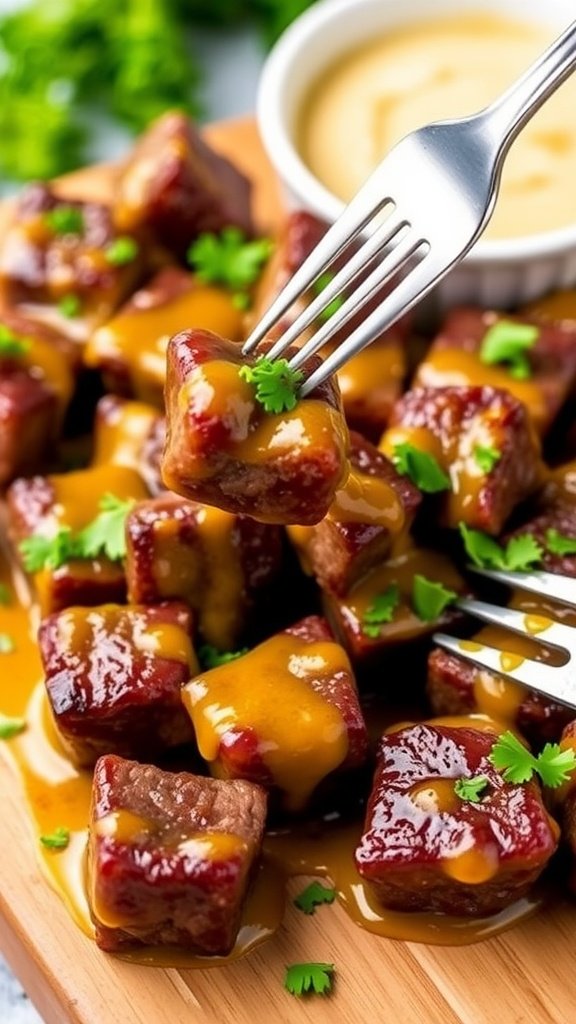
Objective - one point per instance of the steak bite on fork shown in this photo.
(224, 449)
(170, 856)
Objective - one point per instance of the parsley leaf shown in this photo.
(11, 346)
(210, 657)
(430, 598)
(65, 220)
(121, 251)
(276, 383)
(10, 727)
(69, 306)
(5, 595)
(380, 611)
(313, 896)
(508, 342)
(229, 259)
(486, 457)
(558, 544)
(47, 552)
(56, 840)
(520, 554)
(422, 468)
(105, 534)
(471, 789)
(6, 643)
(318, 287)
(553, 764)
(310, 977)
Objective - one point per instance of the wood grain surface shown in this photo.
(525, 976)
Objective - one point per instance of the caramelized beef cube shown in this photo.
(370, 382)
(373, 508)
(554, 513)
(223, 449)
(43, 505)
(452, 424)
(214, 561)
(349, 616)
(285, 715)
(178, 187)
(130, 350)
(424, 848)
(114, 675)
(454, 359)
(170, 856)
(129, 434)
(64, 278)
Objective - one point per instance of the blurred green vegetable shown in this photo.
(60, 59)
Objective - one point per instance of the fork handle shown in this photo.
(508, 114)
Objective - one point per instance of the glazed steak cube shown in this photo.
(170, 856)
(42, 506)
(553, 523)
(56, 266)
(130, 434)
(455, 358)
(214, 561)
(223, 449)
(178, 187)
(374, 507)
(456, 425)
(425, 848)
(130, 349)
(371, 381)
(114, 675)
(285, 715)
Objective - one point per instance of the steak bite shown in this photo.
(177, 187)
(61, 506)
(214, 561)
(223, 449)
(457, 357)
(553, 521)
(373, 509)
(285, 715)
(130, 349)
(371, 381)
(114, 675)
(459, 427)
(425, 848)
(170, 856)
(59, 265)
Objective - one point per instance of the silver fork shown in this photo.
(437, 188)
(555, 681)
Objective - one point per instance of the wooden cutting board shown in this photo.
(525, 976)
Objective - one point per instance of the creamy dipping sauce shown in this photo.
(449, 67)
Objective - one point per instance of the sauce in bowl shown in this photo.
(450, 67)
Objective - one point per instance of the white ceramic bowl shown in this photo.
(500, 273)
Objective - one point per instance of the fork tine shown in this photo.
(383, 235)
(537, 627)
(353, 219)
(558, 683)
(546, 584)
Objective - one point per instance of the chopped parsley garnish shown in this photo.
(69, 306)
(518, 764)
(56, 840)
(10, 727)
(229, 259)
(520, 554)
(210, 657)
(11, 346)
(422, 468)
(558, 544)
(6, 643)
(65, 220)
(301, 979)
(380, 611)
(5, 595)
(508, 342)
(103, 536)
(471, 789)
(121, 251)
(318, 287)
(486, 457)
(276, 383)
(314, 895)
(47, 552)
(430, 598)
